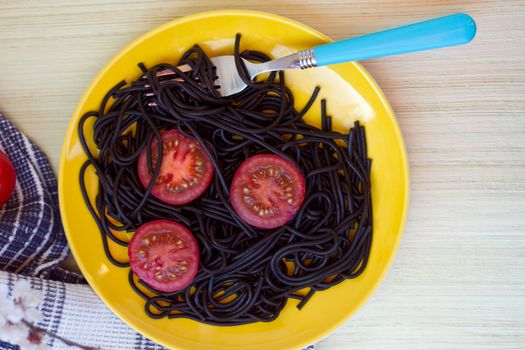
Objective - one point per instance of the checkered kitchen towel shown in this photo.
(32, 245)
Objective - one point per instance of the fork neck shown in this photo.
(298, 60)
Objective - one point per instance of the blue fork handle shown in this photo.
(440, 32)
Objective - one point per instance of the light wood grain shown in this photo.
(459, 278)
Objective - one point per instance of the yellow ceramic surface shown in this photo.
(351, 94)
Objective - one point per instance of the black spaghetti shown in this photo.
(246, 274)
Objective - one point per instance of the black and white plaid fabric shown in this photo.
(32, 245)
(31, 238)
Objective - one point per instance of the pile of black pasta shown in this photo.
(246, 275)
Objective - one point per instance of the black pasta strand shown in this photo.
(245, 275)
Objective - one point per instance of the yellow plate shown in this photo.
(351, 94)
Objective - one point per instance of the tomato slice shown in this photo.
(267, 191)
(7, 178)
(165, 255)
(185, 171)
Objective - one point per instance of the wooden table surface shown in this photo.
(458, 280)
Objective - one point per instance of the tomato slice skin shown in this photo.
(7, 178)
(164, 255)
(186, 170)
(267, 191)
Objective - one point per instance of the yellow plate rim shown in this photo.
(405, 168)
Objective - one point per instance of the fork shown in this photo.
(444, 31)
